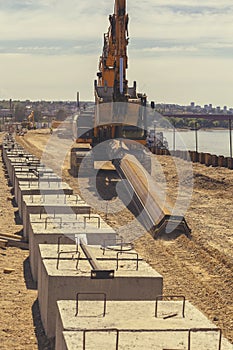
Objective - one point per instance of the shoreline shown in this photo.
(187, 129)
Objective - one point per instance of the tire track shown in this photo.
(189, 270)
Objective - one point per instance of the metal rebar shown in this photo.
(68, 252)
(91, 217)
(104, 247)
(161, 297)
(129, 253)
(102, 331)
(59, 243)
(91, 293)
(163, 330)
(206, 330)
(48, 217)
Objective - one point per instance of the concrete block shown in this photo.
(6, 153)
(18, 161)
(38, 170)
(30, 177)
(26, 188)
(52, 205)
(136, 324)
(63, 283)
(48, 230)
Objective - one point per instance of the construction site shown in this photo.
(107, 243)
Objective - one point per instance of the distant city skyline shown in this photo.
(178, 53)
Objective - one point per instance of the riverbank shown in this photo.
(212, 141)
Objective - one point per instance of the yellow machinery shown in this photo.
(120, 111)
(113, 62)
(120, 116)
(108, 121)
(127, 122)
(29, 122)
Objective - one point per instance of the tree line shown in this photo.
(21, 113)
(190, 123)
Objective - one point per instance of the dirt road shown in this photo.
(201, 268)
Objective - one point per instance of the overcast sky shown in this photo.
(179, 51)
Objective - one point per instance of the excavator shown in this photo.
(119, 109)
(29, 122)
(119, 121)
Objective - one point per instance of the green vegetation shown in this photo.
(189, 123)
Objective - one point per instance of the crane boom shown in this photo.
(119, 111)
(113, 62)
(120, 118)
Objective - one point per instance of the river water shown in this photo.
(210, 141)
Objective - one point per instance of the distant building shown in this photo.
(5, 112)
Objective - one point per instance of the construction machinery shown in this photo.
(29, 122)
(119, 123)
(119, 109)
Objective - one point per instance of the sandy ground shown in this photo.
(20, 325)
(200, 267)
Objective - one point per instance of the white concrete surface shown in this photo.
(44, 230)
(63, 283)
(51, 204)
(131, 316)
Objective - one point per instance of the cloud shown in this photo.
(176, 20)
(48, 47)
(51, 19)
(51, 47)
(165, 49)
(194, 10)
(87, 21)
(205, 47)
(78, 26)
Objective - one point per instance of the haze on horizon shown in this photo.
(178, 52)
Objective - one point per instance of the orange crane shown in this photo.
(120, 116)
(29, 122)
(113, 62)
(127, 118)
(112, 86)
